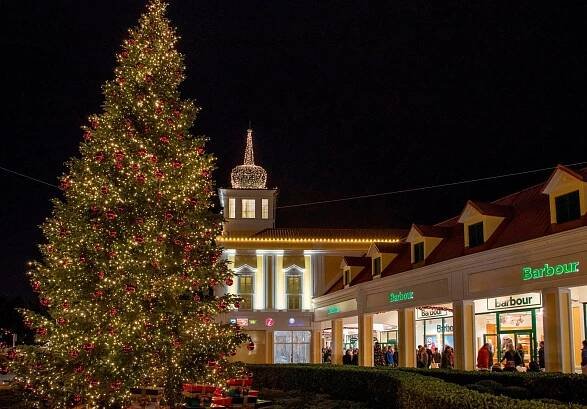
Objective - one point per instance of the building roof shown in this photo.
(431, 231)
(290, 233)
(357, 261)
(364, 275)
(338, 285)
(527, 216)
(394, 248)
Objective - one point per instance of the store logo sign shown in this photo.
(514, 301)
(333, 309)
(534, 273)
(423, 313)
(397, 297)
(269, 322)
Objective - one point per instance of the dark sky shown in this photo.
(346, 98)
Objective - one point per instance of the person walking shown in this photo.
(389, 356)
(422, 357)
(355, 360)
(436, 358)
(378, 355)
(584, 358)
(447, 359)
(347, 358)
(512, 358)
(395, 357)
(541, 362)
(483, 358)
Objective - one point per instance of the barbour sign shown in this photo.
(535, 273)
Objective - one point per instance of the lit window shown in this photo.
(567, 207)
(377, 266)
(265, 208)
(231, 208)
(248, 208)
(418, 252)
(294, 291)
(245, 291)
(476, 234)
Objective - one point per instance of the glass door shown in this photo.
(523, 338)
(492, 339)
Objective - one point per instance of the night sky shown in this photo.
(346, 98)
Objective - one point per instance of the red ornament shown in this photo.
(104, 189)
(196, 298)
(177, 164)
(159, 174)
(213, 282)
(127, 349)
(119, 156)
(87, 135)
(11, 354)
(129, 288)
(79, 369)
(141, 178)
(237, 305)
(168, 216)
(113, 312)
(124, 53)
(77, 398)
(121, 80)
(154, 159)
(65, 184)
(177, 113)
(142, 153)
(135, 167)
(112, 254)
(139, 239)
(116, 385)
(113, 233)
(61, 321)
(110, 215)
(82, 259)
(42, 331)
(251, 346)
(118, 165)
(65, 305)
(222, 304)
(164, 139)
(99, 157)
(73, 353)
(45, 302)
(100, 275)
(200, 150)
(36, 286)
(228, 281)
(98, 294)
(89, 346)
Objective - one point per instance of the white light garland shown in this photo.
(248, 175)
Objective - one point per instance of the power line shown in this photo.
(27, 177)
(429, 187)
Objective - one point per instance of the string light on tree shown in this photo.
(130, 250)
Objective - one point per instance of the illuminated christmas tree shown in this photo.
(131, 260)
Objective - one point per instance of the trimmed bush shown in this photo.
(382, 388)
(540, 385)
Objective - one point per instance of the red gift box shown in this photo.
(240, 382)
(222, 400)
(198, 388)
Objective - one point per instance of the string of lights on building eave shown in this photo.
(223, 239)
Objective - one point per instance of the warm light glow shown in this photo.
(225, 239)
(248, 175)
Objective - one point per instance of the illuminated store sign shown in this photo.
(333, 309)
(396, 297)
(425, 313)
(534, 273)
(514, 301)
(269, 322)
(242, 322)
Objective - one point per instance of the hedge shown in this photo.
(554, 385)
(385, 388)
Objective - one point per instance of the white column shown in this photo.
(279, 301)
(307, 283)
(259, 297)
(230, 257)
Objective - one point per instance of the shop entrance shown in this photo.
(524, 338)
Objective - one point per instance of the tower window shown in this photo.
(231, 207)
(264, 208)
(476, 234)
(567, 207)
(377, 266)
(418, 252)
(248, 208)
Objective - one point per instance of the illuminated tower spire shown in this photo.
(248, 175)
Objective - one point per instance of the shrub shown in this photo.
(540, 385)
(382, 388)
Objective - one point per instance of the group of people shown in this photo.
(513, 359)
(431, 357)
(351, 357)
(385, 356)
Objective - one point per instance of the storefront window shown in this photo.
(436, 332)
(291, 347)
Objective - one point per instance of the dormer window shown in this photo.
(248, 208)
(568, 207)
(346, 277)
(418, 252)
(476, 234)
(377, 266)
